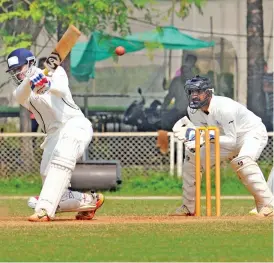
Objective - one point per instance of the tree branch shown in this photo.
(27, 2)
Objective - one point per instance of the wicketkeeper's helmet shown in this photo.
(198, 84)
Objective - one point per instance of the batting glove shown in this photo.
(39, 82)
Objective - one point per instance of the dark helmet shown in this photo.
(198, 84)
(16, 59)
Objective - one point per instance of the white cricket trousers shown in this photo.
(251, 144)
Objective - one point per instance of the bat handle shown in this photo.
(46, 72)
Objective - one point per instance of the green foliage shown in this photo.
(21, 40)
(185, 6)
(22, 20)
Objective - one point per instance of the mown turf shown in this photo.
(222, 240)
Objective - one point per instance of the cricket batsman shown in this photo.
(243, 137)
(68, 135)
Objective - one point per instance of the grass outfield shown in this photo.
(154, 184)
(137, 230)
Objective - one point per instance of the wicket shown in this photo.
(207, 170)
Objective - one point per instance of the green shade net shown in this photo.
(102, 46)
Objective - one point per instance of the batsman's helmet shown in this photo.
(16, 59)
(198, 84)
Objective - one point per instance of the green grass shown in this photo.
(145, 243)
(152, 184)
(156, 184)
(24, 185)
(233, 239)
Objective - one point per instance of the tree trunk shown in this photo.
(255, 57)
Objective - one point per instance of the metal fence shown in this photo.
(137, 153)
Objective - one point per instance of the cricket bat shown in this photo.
(62, 49)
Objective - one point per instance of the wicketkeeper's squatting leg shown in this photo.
(248, 150)
(246, 167)
(270, 180)
(189, 173)
(59, 160)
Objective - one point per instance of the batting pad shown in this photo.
(74, 201)
(57, 181)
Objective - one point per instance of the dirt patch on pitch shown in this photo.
(6, 221)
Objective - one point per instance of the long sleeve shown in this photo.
(59, 83)
(228, 123)
(22, 92)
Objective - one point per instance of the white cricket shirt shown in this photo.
(232, 118)
(52, 109)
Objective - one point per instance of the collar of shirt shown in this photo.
(211, 104)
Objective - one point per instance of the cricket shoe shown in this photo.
(253, 211)
(85, 206)
(182, 211)
(88, 215)
(41, 216)
(266, 211)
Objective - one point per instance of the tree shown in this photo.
(255, 57)
(23, 20)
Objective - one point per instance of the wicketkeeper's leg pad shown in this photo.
(252, 177)
(270, 180)
(189, 181)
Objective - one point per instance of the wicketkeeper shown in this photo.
(68, 134)
(243, 137)
(270, 183)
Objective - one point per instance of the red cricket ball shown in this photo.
(120, 51)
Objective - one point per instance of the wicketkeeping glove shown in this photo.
(190, 144)
(183, 129)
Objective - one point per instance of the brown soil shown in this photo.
(7, 221)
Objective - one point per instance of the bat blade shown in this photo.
(62, 49)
